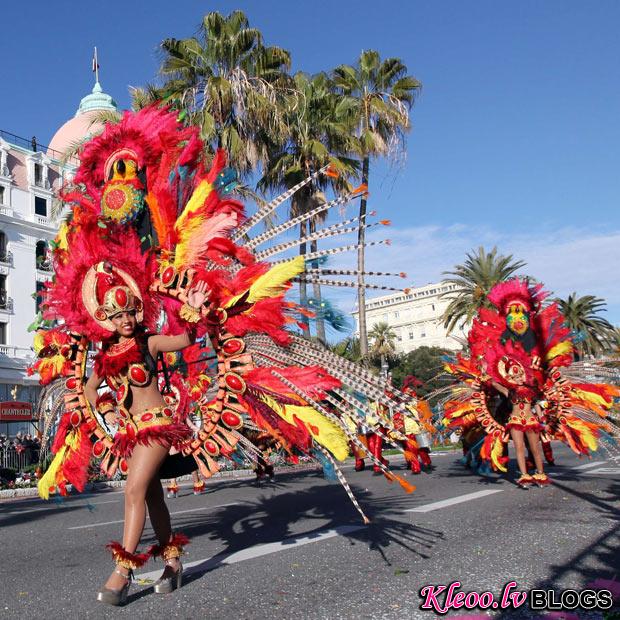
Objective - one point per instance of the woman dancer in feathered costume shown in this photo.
(152, 233)
(518, 349)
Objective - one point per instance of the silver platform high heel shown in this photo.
(173, 550)
(169, 584)
(128, 561)
(116, 597)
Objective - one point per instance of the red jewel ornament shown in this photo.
(211, 447)
(232, 346)
(120, 393)
(120, 295)
(168, 275)
(123, 466)
(167, 412)
(121, 423)
(235, 382)
(75, 418)
(98, 448)
(146, 417)
(138, 375)
(71, 383)
(231, 419)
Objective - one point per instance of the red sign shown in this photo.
(15, 411)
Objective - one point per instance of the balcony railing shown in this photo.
(19, 353)
(43, 183)
(6, 258)
(4, 171)
(6, 302)
(45, 266)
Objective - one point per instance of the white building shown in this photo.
(415, 317)
(29, 176)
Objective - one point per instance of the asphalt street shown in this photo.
(296, 548)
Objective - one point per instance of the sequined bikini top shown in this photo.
(124, 363)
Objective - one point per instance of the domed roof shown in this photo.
(79, 127)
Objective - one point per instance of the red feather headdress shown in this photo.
(516, 290)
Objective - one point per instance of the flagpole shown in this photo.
(96, 67)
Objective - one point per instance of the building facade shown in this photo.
(415, 317)
(30, 174)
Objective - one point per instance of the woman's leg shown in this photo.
(517, 438)
(158, 512)
(143, 467)
(533, 439)
(160, 521)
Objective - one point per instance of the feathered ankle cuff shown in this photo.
(173, 549)
(130, 561)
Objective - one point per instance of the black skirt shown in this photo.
(176, 465)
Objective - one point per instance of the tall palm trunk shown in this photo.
(316, 290)
(303, 293)
(361, 290)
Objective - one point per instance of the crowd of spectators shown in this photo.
(21, 444)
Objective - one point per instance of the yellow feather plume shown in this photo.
(272, 283)
(561, 348)
(323, 431)
(497, 451)
(48, 480)
(196, 201)
(585, 433)
(52, 476)
(591, 397)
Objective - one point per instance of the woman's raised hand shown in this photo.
(197, 295)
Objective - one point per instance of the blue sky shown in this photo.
(515, 137)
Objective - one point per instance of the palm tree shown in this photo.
(230, 84)
(383, 346)
(319, 135)
(473, 281)
(595, 335)
(381, 94)
(349, 348)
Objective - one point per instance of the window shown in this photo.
(39, 297)
(410, 335)
(423, 334)
(385, 318)
(2, 333)
(2, 194)
(40, 206)
(432, 306)
(43, 262)
(396, 314)
(38, 174)
(3, 296)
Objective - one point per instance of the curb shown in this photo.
(230, 474)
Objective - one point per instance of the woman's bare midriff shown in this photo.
(144, 398)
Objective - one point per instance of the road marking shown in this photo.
(59, 506)
(604, 470)
(459, 499)
(588, 465)
(258, 551)
(178, 512)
